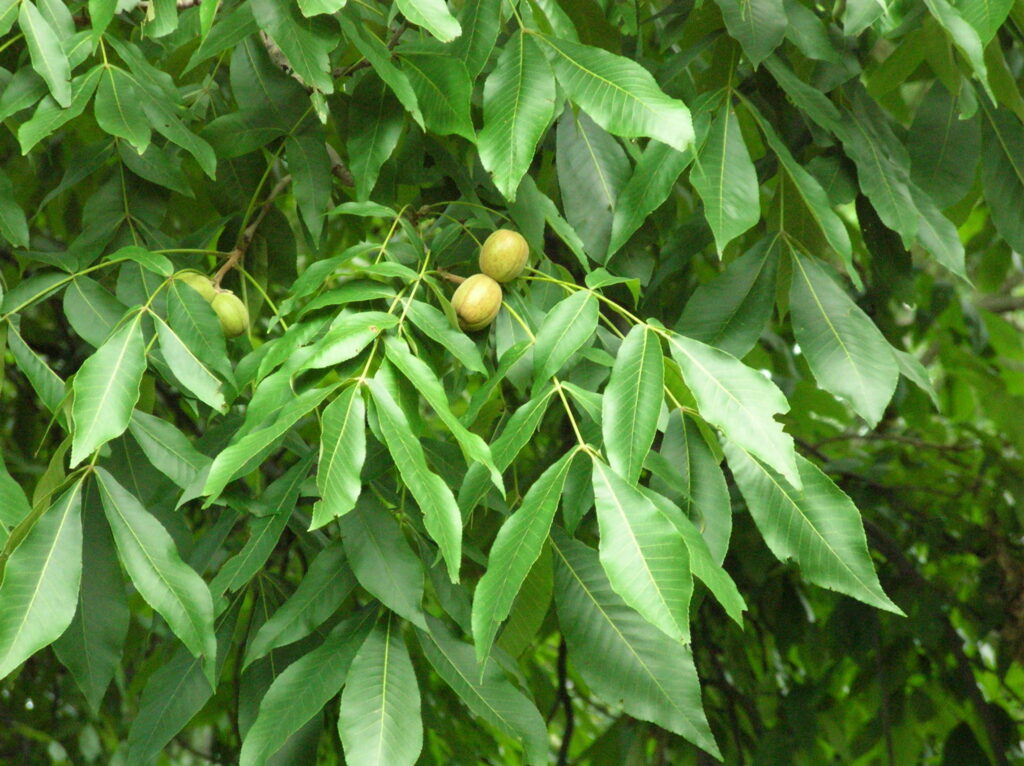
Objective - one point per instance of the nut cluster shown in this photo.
(502, 259)
(232, 313)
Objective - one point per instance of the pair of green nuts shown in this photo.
(232, 313)
(502, 258)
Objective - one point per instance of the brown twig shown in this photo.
(566, 699)
(449, 276)
(236, 255)
(338, 167)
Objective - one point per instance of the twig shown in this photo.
(449, 276)
(339, 169)
(236, 255)
(563, 695)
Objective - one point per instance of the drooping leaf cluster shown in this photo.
(772, 244)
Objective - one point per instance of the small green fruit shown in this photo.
(477, 301)
(198, 282)
(504, 255)
(233, 316)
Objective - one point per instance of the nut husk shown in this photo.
(232, 313)
(503, 255)
(198, 282)
(477, 301)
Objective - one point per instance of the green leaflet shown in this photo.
(379, 720)
(106, 389)
(519, 104)
(846, 351)
(515, 550)
(620, 655)
(818, 527)
(40, 582)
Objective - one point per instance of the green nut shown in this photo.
(503, 256)
(232, 313)
(198, 282)
(477, 301)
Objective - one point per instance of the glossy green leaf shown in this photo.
(188, 368)
(882, 177)
(516, 548)
(519, 104)
(818, 527)
(964, 37)
(443, 91)
(44, 381)
(481, 22)
(938, 235)
(946, 149)
(650, 184)
(1002, 174)
(49, 115)
(151, 559)
(739, 400)
(118, 109)
(382, 560)
(986, 16)
(632, 402)
(567, 327)
(492, 698)
(231, 462)
(13, 225)
(157, 166)
(305, 42)
(91, 647)
(623, 658)
(106, 388)
(342, 452)
(278, 501)
(619, 94)
(379, 56)
(592, 169)
(40, 585)
(48, 56)
(705, 565)
(724, 177)
(315, 7)
(173, 695)
(813, 196)
(757, 25)
(530, 608)
(349, 334)
(327, 583)
(376, 120)
(91, 310)
(440, 512)
(686, 470)
(305, 686)
(101, 13)
(518, 431)
(433, 16)
(845, 350)
(436, 326)
(310, 167)
(731, 311)
(646, 559)
(474, 449)
(912, 369)
(192, 320)
(167, 448)
(379, 720)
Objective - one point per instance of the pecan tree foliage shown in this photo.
(767, 349)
